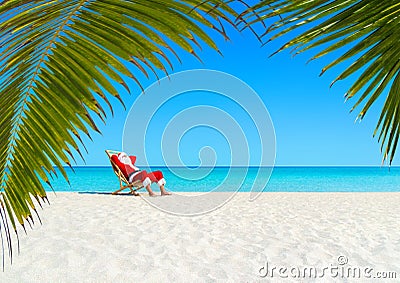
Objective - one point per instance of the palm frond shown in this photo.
(367, 31)
(58, 61)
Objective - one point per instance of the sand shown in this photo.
(105, 238)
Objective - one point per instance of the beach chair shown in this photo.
(123, 182)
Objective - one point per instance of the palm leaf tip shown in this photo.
(367, 34)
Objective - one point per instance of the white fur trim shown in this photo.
(132, 176)
(161, 182)
(146, 182)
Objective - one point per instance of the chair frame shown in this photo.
(123, 182)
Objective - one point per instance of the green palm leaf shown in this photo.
(366, 30)
(57, 60)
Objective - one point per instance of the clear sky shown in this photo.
(312, 123)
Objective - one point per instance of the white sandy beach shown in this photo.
(104, 238)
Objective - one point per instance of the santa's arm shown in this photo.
(133, 159)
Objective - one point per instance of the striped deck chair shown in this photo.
(123, 182)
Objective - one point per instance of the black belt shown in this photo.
(130, 174)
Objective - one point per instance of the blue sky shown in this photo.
(312, 123)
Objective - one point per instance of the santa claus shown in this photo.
(132, 173)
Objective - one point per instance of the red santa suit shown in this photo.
(133, 173)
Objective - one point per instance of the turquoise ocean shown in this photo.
(282, 179)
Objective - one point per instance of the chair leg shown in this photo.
(120, 184)
(121, 188)
(133, 192)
